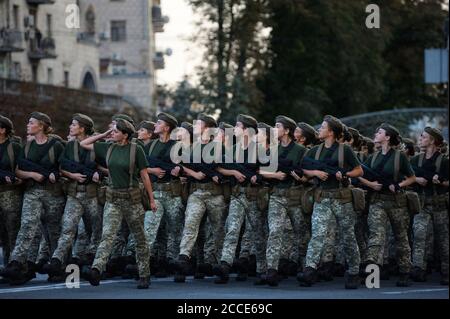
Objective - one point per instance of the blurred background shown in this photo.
(300, 58)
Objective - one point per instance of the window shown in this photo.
(49, 25)
(16, 71)
(90, 20)
(34, 73)
(118, 31)
(49, 76)
(66, 79)
(16, 17)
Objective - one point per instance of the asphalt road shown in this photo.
(165, 288)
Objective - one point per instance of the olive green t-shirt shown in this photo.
(4, 160)
(405, 169)
(34, 154)
(119, 163)
(350, 161)
(430, 165)
(295, 155)
(70, 155)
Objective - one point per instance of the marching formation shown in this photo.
(119, 204)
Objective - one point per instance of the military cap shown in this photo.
(41, 117)
(307, 129)
(6, 122)
(392, 132)
(223, 125)
(287, 122)
(123, 117)
(125, 126)
(169, 119)
(83, 119)
(264, 125)
(408, 141)
(148, 125)
(437, 135)
(247, 120)
(187, 126)
(208, 119)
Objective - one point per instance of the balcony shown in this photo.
(39, 2)
(44, 49)
(158, 61)
(158, 20)
(10, 41)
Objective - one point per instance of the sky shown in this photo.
(175, 36)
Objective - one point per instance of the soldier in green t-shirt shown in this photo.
(389, 202)
(10, 191)
(126, 163)
(334, 201)
(38, 165)
(431, 168)
(283, 197)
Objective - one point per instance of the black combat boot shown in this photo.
(419, 275)
(338, 270)
(260, 280)
(112, 268)
(292, 268)
(14, 268)
(325, 272)
(403, 280)
(283, 268)
(272, 277)
(39, 266)
(162, 269)
(53, 268)
(242, 269)
(307, 277)
(351, 281)
(94, 277)
(183, 265)
(144, 283)
(223, 273)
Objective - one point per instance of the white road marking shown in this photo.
(413, 291)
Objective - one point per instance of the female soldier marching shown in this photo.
(125, 160)
(43, 201)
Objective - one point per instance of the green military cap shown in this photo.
(408, 141)
(208, 119)
(123, 117)
(6, 123)
(287, 122)
(307, 130)
(264, 125)
(41, 117)
(392, 132)
(148, 125)
(247, 120)
(223, 125)
(169, 119)
(125, 126)
(187, 126)
(83, 119)
(437, 135)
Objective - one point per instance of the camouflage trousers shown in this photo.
(202, 202)
(81, 245)
(379, 213)
(430, 221)
(170, 210)
(345, 217)
(77, 208)
(241, 209)
(279, 209)
(133, 213)
(40, 208)
(10, 211)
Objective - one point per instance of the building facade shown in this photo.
(36, 45)
(128, 59)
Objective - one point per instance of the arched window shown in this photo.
(90, 20)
